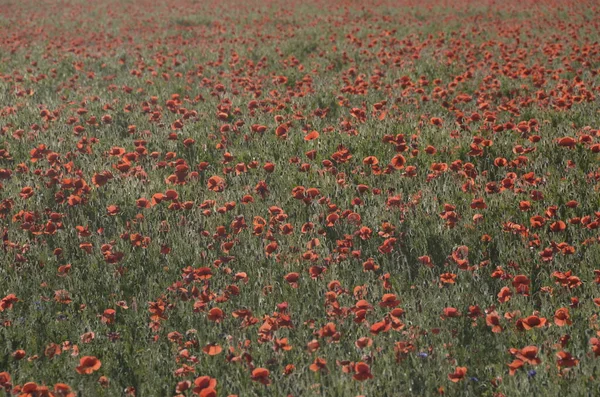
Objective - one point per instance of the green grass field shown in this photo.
(274, 198)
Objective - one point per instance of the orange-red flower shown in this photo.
(458, 374)
(63, 390)
(451, 312)
(319, 364)
(205, 386)
(261, 375)
(311, 136)
(398, 162)
(504, 295)
(363, 342)
(562, 317)
(595, 342)
(514, 366)
(212, 349)
(88, 365)
(362, 371)
(215, 314)
(216, 183)
(565, 360)
(108, 317)
(493, 320)
(7, 302)
(533, 322)
(389, 300)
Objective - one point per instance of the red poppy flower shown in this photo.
(493, 320)
(204, 384)
(514, 366)
(215, 314)
(212, 349)
(533, 322)
(362, 371)
(216, 184)
(565, 360)
(318, 364)
(458, 374)
(448, 278)
(398, 162)
(567, 142)
(261, 375)
(363, 342)
(451, 312)
(529, 355)
(389, 300)
(108, 317)
(7, 302)
(562, 317)
(63, 390)
(311, 136)
(595, 342)
(4, 378)
(88, 365)
(504, 295)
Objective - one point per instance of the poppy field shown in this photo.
(299, 198)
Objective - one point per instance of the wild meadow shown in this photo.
(299, 198)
